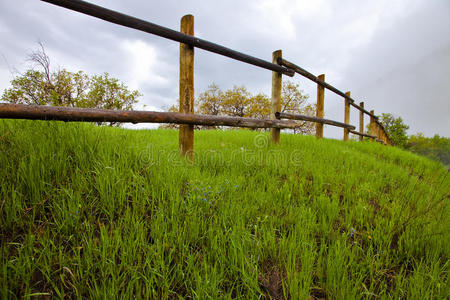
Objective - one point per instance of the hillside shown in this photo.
(99, 212)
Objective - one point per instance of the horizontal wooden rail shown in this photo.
(314, 78)
(363, 134)
(135, 23)
(58, 113)
(280, 115)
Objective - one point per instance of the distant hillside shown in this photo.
(437, 147)
(99, 212)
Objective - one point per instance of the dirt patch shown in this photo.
(318, 294)
(40, 284)
(271, 281)
(394, 243)
(376, 206)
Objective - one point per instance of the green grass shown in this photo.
(98, 212)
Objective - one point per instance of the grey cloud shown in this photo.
(405, 68)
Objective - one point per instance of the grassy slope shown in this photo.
(97, 212)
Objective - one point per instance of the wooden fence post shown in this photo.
(372, 124)
(361, 121)
(320, 106)
(347, 117)
(186, 134)
(378, 131)
(276, 98)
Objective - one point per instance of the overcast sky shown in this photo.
(392, 54)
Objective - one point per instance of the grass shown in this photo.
(98, 212)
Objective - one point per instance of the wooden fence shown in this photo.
(186, 117)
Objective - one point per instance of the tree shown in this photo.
(210, 101)
(396, 129)
(259, 106)
(292, 98)
(236, 102)
(294, 101)
(437, 147)
(239, 102)
(65, 88)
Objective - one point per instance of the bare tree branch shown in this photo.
(41, 58)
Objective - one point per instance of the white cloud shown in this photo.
(281, 14)
(142, 65)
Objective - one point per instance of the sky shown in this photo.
(392, 54)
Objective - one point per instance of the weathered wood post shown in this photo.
(378, 130)
(186, 134)
(276, 98)
(381, 134)
(361, 121)
(372, 124)
(347, 116)
(320, 106)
